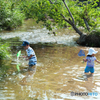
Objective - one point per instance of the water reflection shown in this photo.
(28, 76)
(89, 84)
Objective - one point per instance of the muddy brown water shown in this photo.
(59, 72)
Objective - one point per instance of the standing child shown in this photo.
(90, 61)
(30, 55)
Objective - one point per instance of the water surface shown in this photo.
(59, 70)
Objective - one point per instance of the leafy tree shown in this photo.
(62, 13)
(59, 13)
(10, 16)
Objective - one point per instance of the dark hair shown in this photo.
(89, 56)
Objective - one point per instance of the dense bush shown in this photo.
(4, 51)
(27, 7)
(10, 15)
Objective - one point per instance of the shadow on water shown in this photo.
(28, 76)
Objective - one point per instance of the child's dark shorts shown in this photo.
(31, 64)
(89, 69)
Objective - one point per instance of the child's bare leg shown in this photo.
(92, 73)
(85, 73)
(85, 76)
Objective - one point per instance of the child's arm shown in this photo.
(97, 61)
(85, 60)
(29, 57)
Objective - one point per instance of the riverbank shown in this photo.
(35, 34)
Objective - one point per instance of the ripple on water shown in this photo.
(7, 93)
(98, 83)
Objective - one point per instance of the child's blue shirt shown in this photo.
(90, 61)
(33, 59)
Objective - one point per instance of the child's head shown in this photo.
(25, 44)
(91, 52)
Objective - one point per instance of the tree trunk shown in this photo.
(82, 37)
(86, 23)
(72, 23)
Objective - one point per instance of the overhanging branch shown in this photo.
(52, 2)
(65, 19)
(86, 23)
(70, 22)
(69, 11)
(73, 25)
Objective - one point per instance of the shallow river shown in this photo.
(59, 72)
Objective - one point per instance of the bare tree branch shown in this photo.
(86, 23)
(52, 2)
(69, 11)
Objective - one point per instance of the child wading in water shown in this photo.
(90, 61)
(30, 55)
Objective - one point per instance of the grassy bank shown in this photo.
(4, 51)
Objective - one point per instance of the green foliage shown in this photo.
(4, 51)
(89, 12)
(26, 7)
(10, 16)
(96, 32)
(50, 14)
(15, 11)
